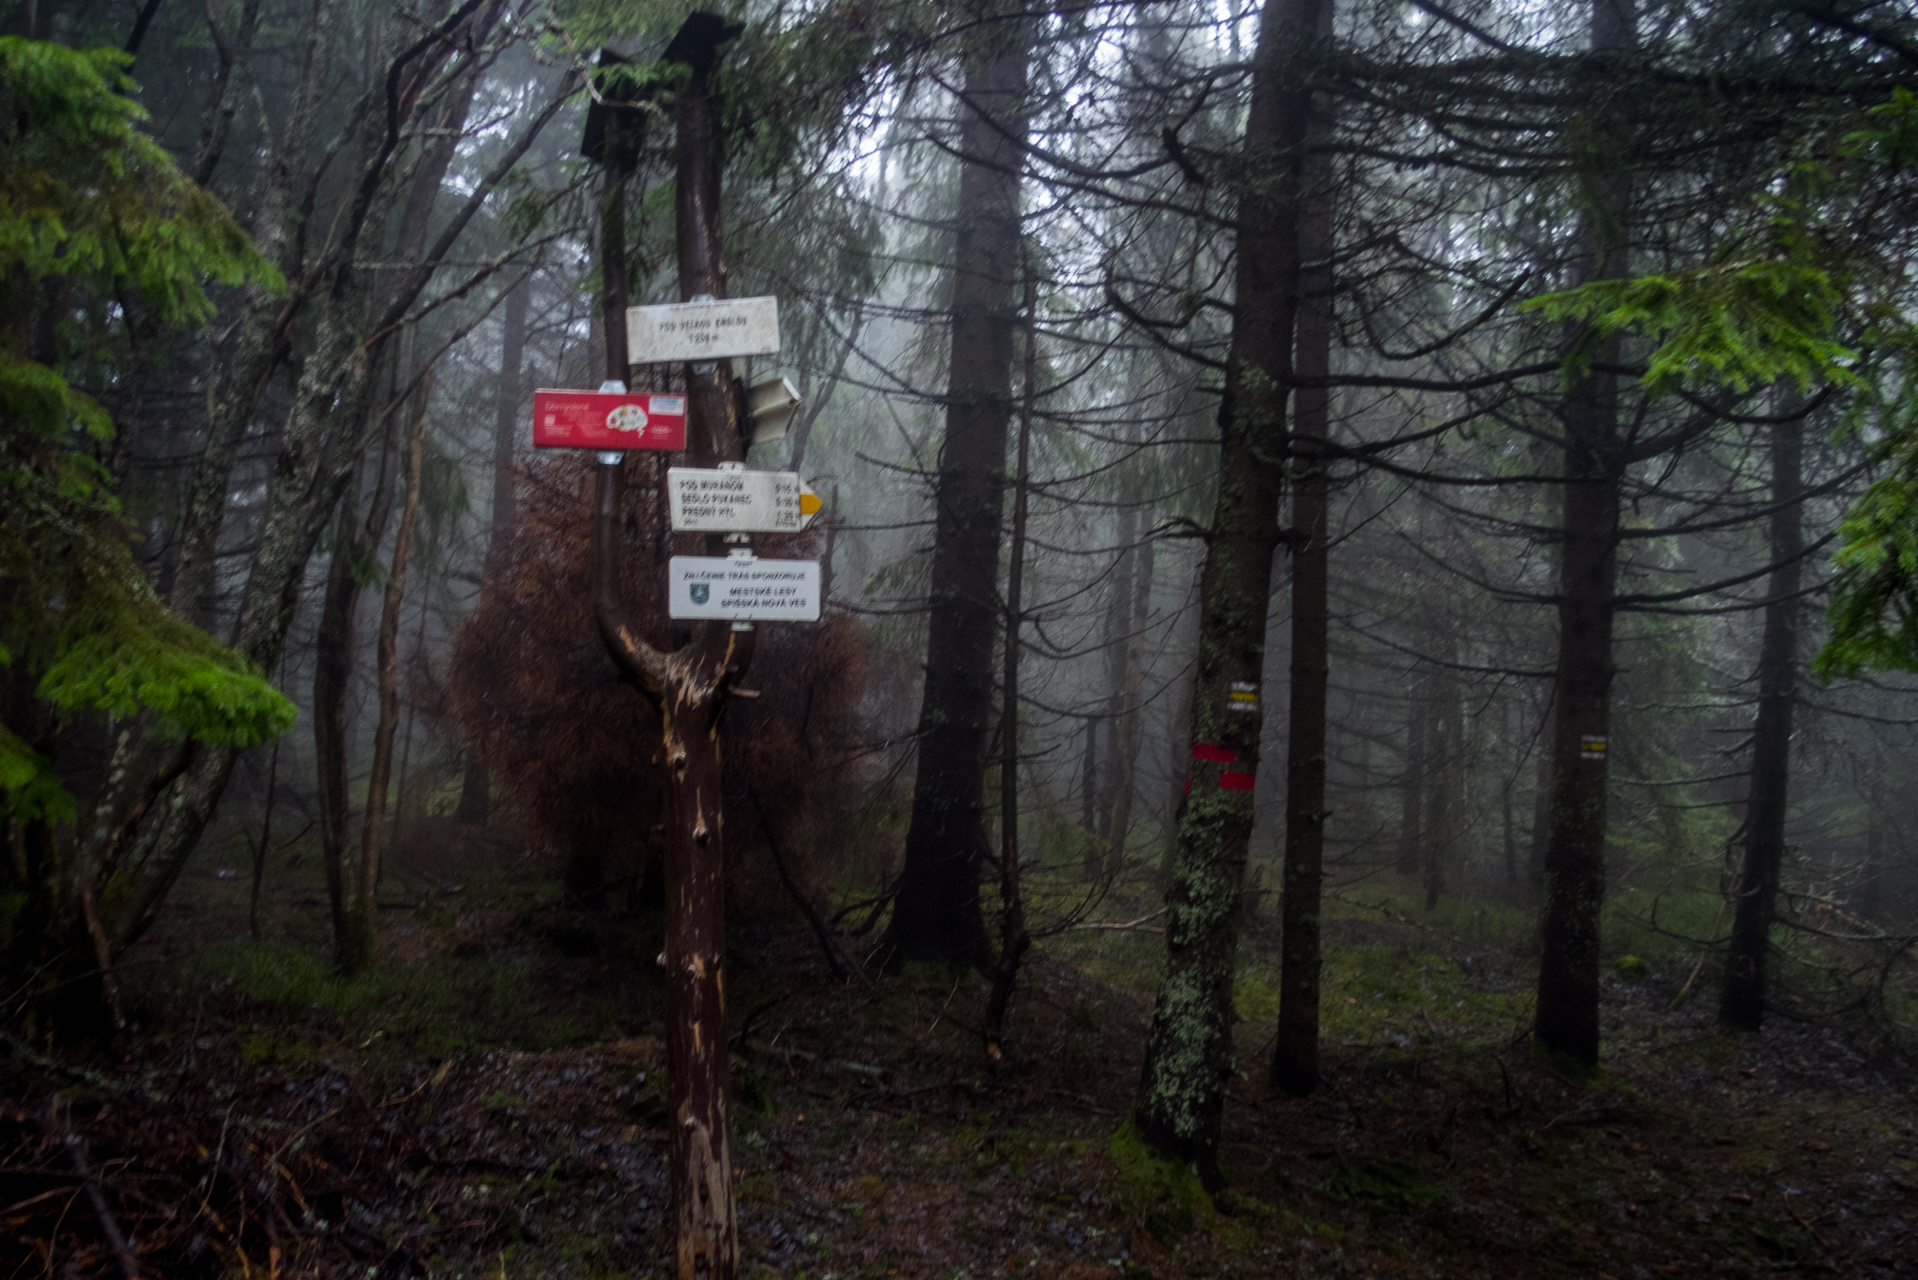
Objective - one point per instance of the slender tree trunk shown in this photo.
(1582, 679)
(1178, 747)
(1742, 1003)
(363, 903)
(1129, 729)
(1013, 938)
(1872, 884)
(1089, 784)
(405, 785)
(936, 917)
(1444, 810)
(1118, 623)
(1295, 1057)
(1541, 802)
(266, 841)
(332, 677)
(474, 787)
(1189, 1059)
(1412, 793)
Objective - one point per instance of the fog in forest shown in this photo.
(1358, 715)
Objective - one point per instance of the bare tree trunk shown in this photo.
(1412, 793)
(1089, 783)
(1128, 730)
(1013, 938)
(1742, 1002)
(266, 841)
(1444, 807)
(1189, 1059)
(936, 917)
(363, 902)
(474, 788)
(1582, 680)
(1541, 802)
(1118, 621)
(353, 548)
(1295, 1057)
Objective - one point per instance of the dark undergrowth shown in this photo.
(488, 1103)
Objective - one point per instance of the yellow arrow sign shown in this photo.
(809, 503)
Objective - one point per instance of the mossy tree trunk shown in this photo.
(1189, 1058)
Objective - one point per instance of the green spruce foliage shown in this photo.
(92, 209)
(1812, 292)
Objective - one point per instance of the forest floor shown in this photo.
(488, 1104)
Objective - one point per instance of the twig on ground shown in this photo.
(76, 1156)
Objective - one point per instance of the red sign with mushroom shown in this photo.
(600, 420)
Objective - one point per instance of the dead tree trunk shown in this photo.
(936, 917)
(1742, 1002)
(690, 688)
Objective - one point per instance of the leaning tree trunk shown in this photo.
(936, 915)
(1742, 1003)
(1582, 678)
(320, 446)
(1189, 1060)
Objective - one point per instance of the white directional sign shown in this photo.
(743, 588)
(709, 330)
(734, 500)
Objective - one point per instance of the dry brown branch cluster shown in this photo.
(531, 689)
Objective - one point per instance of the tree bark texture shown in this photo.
(1295, 1057)
(1189, 1059)
(1742, 1002)
(936, 917)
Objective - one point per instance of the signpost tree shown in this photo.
(689, 687)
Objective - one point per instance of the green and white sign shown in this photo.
(742, 588)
